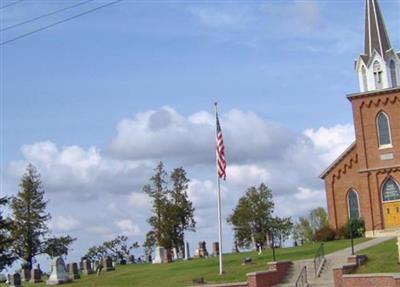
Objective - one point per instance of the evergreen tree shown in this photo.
(157, 190)
(6, 255)
(30, 217)
(183, 209)
(173, 212)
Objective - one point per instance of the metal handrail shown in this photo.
(302, 279)
(319, 258)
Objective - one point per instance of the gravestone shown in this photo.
(14, 280)
(58, 274)
(87, 267)
(108, 264)
(202, 250)
(187, 252)
(159, 255)
(3, 278)
(175, 255)
(36, 276)
(73, 271)
(215, 249)
(25, 274)
(167, 256)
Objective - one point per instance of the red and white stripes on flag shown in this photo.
(220, 149)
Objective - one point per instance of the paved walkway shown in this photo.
(332, 260)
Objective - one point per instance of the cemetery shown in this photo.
(183, 272)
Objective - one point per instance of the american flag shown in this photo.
(221, 162)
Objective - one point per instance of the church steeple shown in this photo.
(376, 37)
(379, 66)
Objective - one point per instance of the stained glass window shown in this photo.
(390, 190)
(354, 210)
(383, 129)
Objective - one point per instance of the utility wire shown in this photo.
(59, 22)
(10, 4)
(45, 15)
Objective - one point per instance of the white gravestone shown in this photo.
(58, 273)
(159, 255)
(187, 252)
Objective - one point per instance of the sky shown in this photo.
(94, 103)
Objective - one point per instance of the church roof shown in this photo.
(338, 160)
(376, 36)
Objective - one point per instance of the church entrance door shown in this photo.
(391, 203)
(391, 211)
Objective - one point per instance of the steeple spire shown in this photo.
(379, 66)
(376, 37)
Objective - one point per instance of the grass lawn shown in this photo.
(181, 273)
(381, 258)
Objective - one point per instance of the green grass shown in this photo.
(181, 273)
(381, 258)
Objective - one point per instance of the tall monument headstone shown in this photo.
(158, 255)
(58, 274)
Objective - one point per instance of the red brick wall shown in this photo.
(275, 274)
(362, 168)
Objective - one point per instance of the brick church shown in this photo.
(364, 181)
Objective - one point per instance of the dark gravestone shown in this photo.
(167, 256)
(36, 276)
(73, 271)
(108, 264)
(215, 249)
(87, 267)
(203, 249)
(14, 280)
(25, 274)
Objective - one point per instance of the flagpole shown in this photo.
(219, 205)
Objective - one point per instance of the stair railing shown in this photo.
(319, 259)
(302, 279)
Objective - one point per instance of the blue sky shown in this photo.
(95, 102)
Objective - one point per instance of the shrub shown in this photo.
(356, 225)
(341, 233)
(324, 234)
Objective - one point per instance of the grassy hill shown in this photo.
(381, 258)
(181, 273)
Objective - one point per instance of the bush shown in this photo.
(341, 233)
(356, 225)
(324, 234)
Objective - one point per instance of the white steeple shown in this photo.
(379, 66)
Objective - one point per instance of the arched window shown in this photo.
(378, 75)
(382, 122)
(390, 190)
(352, 203)
(392, 67)
(364, 78)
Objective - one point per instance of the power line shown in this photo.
(59, 22)
(10, 4)
(45, 15)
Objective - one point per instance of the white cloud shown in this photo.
(331, 142)
(64, 223)
(221, 18)
(80, 172)
(128, 228)
(139, 200)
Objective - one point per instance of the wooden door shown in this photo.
(391, 214)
